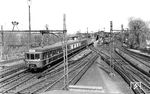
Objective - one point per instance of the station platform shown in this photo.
(100, 77)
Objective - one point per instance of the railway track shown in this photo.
(137, 75)
(143, 60)
(139, 55)
(135, 62)
(6, 72)
(51, 79)
(74, 75)
(26, 81)
(128, 73)
(13, 76)
(19, 81)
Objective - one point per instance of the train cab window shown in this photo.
(37, 56)
(32, 56)
(27, 56)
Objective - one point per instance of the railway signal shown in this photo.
(14, 23)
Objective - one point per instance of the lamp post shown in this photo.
(29, 5)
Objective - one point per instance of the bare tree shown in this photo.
(137, 36)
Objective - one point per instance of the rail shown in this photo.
(122, 71)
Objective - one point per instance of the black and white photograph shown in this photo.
(74, 47)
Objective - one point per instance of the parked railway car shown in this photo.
(47, 56)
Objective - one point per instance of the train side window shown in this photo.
(79, 44)
(32, 56)
(54, 52)
(49, 54)
(37, 56)
(44, 55)
(60, 50)
(72, 46)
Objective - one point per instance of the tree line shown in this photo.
(18, 42)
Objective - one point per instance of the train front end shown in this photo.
(33, 60)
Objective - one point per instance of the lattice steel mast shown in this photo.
(65, 53)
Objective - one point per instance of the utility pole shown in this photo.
(47, 40)
(65, 55)
(111, 48)
(2, 39)
(87, 30)
(29, 6)
(122, 34)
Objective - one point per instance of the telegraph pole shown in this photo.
(2, 39)
(29, 6)
(122, 34)
(65, 55)
(111, 48)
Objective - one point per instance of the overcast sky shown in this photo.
(80, 14)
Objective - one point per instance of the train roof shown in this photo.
(53, 46)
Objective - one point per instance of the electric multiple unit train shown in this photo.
(41, 57)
